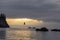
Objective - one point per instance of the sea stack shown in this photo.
(3, 22)
(44, 29)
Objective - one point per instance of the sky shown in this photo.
(46, 10)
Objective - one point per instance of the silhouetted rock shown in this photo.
(33, 27)
(29, 27)
(42, 29)
(3, 23)
(55, 30)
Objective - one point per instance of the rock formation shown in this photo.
(3, 23)
(56, 30)
(42, 29)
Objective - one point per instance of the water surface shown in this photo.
(26, 34)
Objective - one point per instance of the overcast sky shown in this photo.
(47, 10)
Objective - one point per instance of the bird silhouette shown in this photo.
(24, 23)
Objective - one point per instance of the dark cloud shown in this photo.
(47, 10)
(28, 8)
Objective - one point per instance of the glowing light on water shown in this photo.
(20, 22)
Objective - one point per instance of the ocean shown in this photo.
(27, 34)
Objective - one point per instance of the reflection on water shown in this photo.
(20, 35)
(20, 22)
(2, 34)
(48, 36)
(25, 34)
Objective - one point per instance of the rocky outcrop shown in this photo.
(31, 28)
(58, 30)
(3, 22)
(42, 29)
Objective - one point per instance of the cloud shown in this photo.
(30, 8)
(47, 10)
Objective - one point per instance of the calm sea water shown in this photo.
(26, 34)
